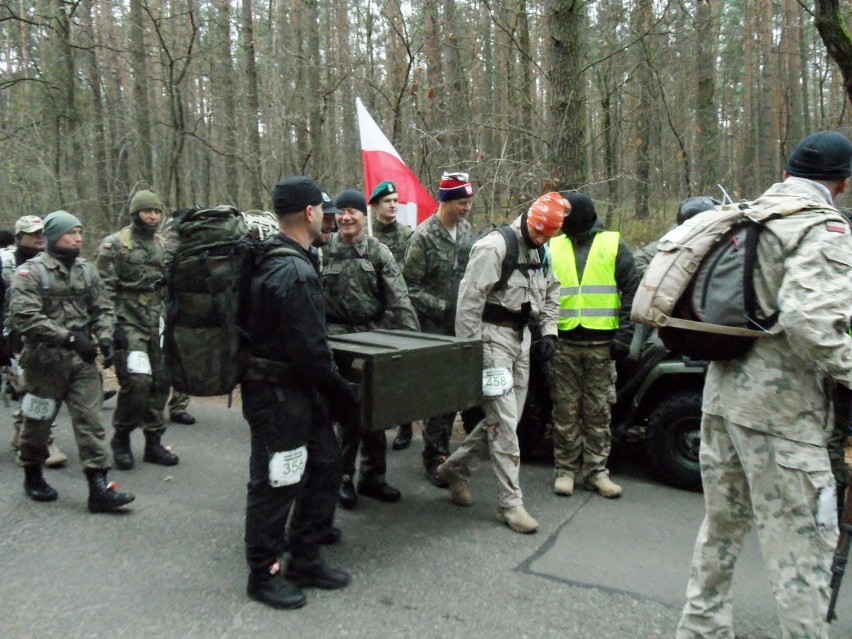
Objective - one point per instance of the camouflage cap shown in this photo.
(29, 224)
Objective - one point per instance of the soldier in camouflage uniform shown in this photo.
(363, 290)
(383, 205)
(428, 270)
(29, 242)
(57, 303)
(767, 415)
(499, 316)
(131, 264)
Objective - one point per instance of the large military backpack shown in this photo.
(215, 250)
(698, 289)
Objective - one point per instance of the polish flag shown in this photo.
(382, 162)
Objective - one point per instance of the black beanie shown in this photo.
(824, 155)
(294, 194)
(582, 215)
(695, 205)
(351, 199)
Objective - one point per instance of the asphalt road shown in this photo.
(173, 566)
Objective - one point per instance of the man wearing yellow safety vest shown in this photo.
(598, 279)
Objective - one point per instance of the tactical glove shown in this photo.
(82, 345)
(544, 349)
(119, 338)
(107, 351)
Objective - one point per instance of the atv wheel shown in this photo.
(674, 432)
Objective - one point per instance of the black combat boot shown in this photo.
(315, 573)
(121, 452)
(35, 486)
(156, 453)
(268, 586)
(103, 497)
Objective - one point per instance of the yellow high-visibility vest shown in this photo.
(594, 303)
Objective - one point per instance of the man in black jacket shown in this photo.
(289, 387)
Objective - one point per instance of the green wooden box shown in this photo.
(406, 376)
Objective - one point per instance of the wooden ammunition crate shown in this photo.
(406, 376)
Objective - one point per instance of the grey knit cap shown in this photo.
(57, 224)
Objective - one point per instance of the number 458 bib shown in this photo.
(496, 382)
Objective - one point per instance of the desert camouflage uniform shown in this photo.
(363, 289)
(395, 236)
(73, 301)
(504, 346)
(131, 266)
(428, 270)
(767, 417)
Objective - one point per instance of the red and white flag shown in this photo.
(382, 162)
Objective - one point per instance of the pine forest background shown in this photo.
(638, 102)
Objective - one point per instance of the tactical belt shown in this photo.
(502, 316)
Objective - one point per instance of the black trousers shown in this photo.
(373, 452)
(283, 419)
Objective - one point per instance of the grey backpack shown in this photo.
(699, 288)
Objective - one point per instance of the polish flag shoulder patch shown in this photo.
(23, 272)
(835, 227)
(106, 246)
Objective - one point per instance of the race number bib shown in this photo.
(287, 467)
(38, 408)
(138, 363)
(496, 382)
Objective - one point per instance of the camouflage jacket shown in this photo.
(363, 287)
(428, 269)
(68, 301)
(395, 236)
(131, 267)
(804, 271)
(537, 287)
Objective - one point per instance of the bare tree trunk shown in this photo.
(141, 110)
(706, 138)
(643, 18)
(99, 151)
(567, 104)
(223, 70)
(835, 35)
(254, 155)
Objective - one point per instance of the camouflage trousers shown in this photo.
(582, 386)
(142, 397)
(750, 476)
(496, 436)
(178, 403)
(59, 374)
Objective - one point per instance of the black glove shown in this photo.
(107, 351)
(618, 350)
(119, 338)
(82, 345)
(544, 349)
